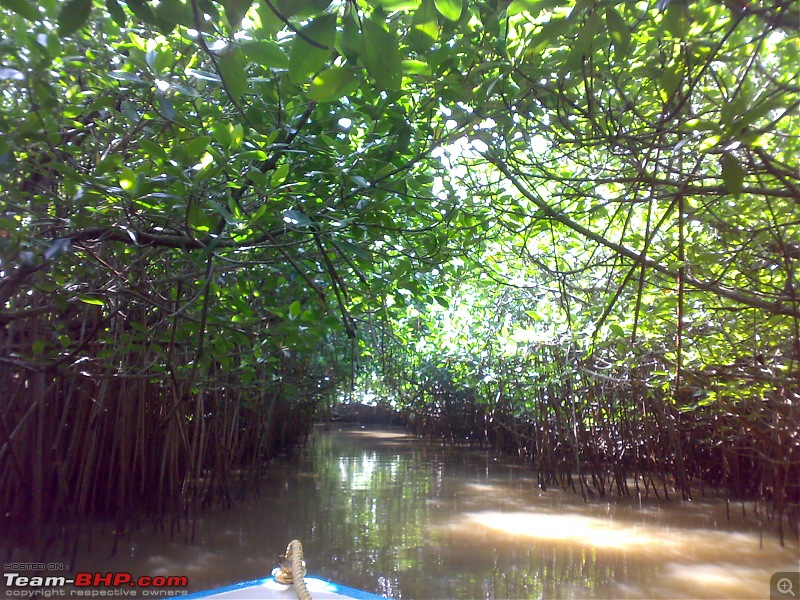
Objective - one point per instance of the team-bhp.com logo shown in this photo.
(119, 583)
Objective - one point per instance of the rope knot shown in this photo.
(292, 569)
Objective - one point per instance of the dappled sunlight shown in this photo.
(662, 540)
(702, 580)
(386, 437)
(569, 527)
(672, 560)
(706, 580)
(474, 495)
(382, 434)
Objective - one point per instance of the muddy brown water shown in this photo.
(382, 511)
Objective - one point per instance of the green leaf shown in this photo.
(235, 11)
(198, 219)
(223, 133)
(204, 75)
(237, 135)
(732, 109)
(676, 19)
(127, 179)
(354, 250)
(223, 212)
(21, 7)
(289, 8)
(196, 146)
(400, 5)
(279, 176)
(258, 178)
(519, 6)
(262, 210)
(309, 316)
(266, 53)
(295, 309)
(296, 218)
(157, 61)
(90, 300)
(334, 83)
(307, 59)
(450, 9)
(165, 106)
(618, 30)
(425, 29)
(350, 39)
(73, 15)
(381, 55)
(116, 12)
(270, 23)
(231, 69)
(153, 150)
(670, 79)
(176, 12)
(142, 11)
(586, 37)
(758, 111)
(732, 174)
(416, 67)
(125, 76)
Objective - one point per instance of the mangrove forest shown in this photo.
(566, 231)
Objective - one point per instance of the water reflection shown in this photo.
(380, 511)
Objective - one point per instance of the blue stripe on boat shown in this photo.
(229, 588)
(335, 587)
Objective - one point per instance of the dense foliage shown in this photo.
(565, 229)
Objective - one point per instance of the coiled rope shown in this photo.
(293, 569)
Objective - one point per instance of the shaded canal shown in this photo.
(378, 510)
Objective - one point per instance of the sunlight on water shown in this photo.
(356, 472)
(677, 561)
(591, 531)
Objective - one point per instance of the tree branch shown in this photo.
(782, 308)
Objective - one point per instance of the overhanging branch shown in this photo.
(782, 308)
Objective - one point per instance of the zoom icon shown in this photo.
(784, 585)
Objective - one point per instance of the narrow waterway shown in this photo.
(384, 512)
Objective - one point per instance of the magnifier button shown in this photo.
(785, 587)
